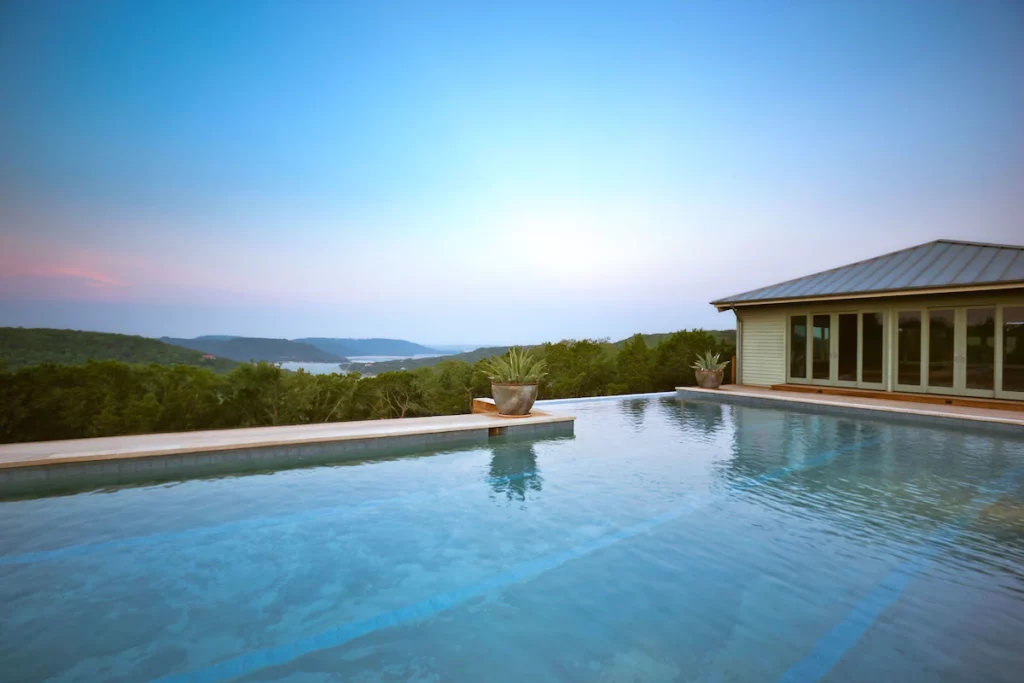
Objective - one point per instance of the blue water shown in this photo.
(665, 542)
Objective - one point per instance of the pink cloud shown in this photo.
(92, 277)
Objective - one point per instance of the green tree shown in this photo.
(577, 368)
(396, 394)
(255, 395)
(320, 398)
(191, 398)
(448, 387)
(23, 347)
(674, 356)
(634, 366)
(54, 401)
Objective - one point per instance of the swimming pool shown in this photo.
(665, 541)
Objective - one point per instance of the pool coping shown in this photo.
(141, 446)
(838, 404)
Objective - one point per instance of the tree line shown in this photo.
(109, 398)
(23, 347)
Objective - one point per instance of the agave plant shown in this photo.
(518, 367)
(709, 362)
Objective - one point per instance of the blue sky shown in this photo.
(509, 173)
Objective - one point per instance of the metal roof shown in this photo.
(942, 264)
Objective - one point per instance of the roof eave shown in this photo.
(726, 304)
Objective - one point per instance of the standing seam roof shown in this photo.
(942, 263)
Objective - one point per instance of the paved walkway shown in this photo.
(907, 408)
(146, 445)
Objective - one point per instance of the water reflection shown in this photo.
(634, 410)
(874, 478)
(514, 470)
(706, 417)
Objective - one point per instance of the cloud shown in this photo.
(27, 278)
(92, 278)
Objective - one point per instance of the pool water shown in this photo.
(666, 541)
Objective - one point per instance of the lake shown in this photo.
(328, 368)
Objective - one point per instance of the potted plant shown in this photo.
(514, 381)
(709, 370)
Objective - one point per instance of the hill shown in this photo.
(22, 347)
(368, 347)
(244, 349)
(726, 336)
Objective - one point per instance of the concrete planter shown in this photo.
(709, 379)
(514, 399)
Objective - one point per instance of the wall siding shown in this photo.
(763, 348)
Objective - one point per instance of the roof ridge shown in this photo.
(979, 244)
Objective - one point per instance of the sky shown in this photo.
(485, 173)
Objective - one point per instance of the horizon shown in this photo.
(514, 174)
(431, 346)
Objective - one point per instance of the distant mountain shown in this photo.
(457, 348)
(244, 349)
(368, 347)
(413, 363)
(21, 347)
(727, 336)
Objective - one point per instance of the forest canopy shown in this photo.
(107, 398)
(24, 346)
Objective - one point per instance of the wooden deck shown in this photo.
(934, 399)
(941, 413)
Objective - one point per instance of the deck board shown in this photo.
(906, 396)
(969, 414)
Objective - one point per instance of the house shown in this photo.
(209, 356)
(946, 317)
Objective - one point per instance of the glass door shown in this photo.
(978, 355)
(796, 366)
(846, 349)
(943, 356)
(837, 349)
(1012, 355)
(821, 348)
(872, 351)
(909, 345)
(949, 351)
